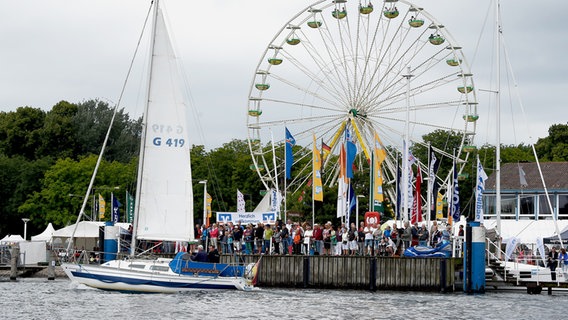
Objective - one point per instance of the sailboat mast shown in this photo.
(498, 120)
(144, 131)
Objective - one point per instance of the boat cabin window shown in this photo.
(159, 268)
(137, 266)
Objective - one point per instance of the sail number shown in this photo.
(170, 142)
(159, 141)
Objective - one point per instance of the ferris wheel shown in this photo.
(387, 67)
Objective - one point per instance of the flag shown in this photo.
(326, 150)
(510, 247)
(439, 206)
(115, 209)
(102, 204)
(378, 156)
(129, 208)
(290, 142)
(352, 198)
(351, 153)
(342, 163)
(540, 247)
(417, 203)
(409, 188)
(208, 207)
(433, 165)
(352, 204)
(241, 206)
(398, 192)
(275, 200)
(341, 197)
(316, 175)
(455, 208)
(522, 178)
(480, 187)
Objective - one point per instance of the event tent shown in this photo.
(12, 239)
(555, 239)
(45, 235)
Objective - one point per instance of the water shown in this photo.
(61, 299)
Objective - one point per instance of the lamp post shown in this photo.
(204, 183)
(357, 210)
(25, 220)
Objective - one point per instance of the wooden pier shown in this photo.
(354, 272)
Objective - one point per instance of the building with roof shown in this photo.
(525, 211)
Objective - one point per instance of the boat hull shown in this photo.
(117, 276)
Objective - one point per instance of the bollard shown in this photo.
(51, 266)
(14, 262)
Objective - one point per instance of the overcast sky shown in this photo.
(79, 50)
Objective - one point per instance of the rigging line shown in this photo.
(105, 142)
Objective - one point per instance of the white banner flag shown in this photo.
(240, 202)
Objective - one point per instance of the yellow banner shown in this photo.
(439, 206)
(102, 204)
(316, 176)
(378, 158)
(209, 200)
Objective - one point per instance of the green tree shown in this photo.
(555, 146)
(67, 177)
(21, 132)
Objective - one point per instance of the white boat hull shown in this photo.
(119, 275)
(537, 273)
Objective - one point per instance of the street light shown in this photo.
(25, 220)
(357, 210)
(204, 183)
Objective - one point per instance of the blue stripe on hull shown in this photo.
(201, 283)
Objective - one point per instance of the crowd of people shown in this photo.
(321, 239)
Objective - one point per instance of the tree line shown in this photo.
(47, 159)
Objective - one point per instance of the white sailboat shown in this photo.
(164, 209)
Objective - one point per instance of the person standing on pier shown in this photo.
(553, 263)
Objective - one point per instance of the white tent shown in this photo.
(12, 239)
(45, 235)
(86, 235)
(85, 229)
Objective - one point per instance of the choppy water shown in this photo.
(61, 299)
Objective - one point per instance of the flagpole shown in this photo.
(405, 148)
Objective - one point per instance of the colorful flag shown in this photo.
(115, 209)
(241, 205)
(439, 206)
(316, 175)
(352, 198)
(208, 207)
(398, 192)
(378, 156)
(455, 208)
(326, 150)
(417, 204)
(351, 153)
(102, 204)
(481, 177)
(522, 178)
(342, 163)
(290, 142)
(129, 208)
(352, 204)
